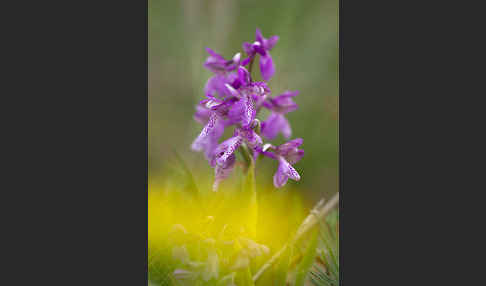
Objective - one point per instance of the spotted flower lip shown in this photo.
(207, 140)
(222, 172)
(284, 172)
(243, 111)
(223, 151)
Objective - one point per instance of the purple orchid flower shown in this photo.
(215, 86)
(261, 46)
(224, 154)
(276, 121)
(227, 148)
(286, 154)
(211, 112)
(223, 159)
(217, 64)
(257, 90)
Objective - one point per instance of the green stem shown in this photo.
(250, 67)
(249, 192)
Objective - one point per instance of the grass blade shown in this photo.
(308, 259)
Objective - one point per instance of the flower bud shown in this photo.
(257, 126)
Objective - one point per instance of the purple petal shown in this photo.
(243, 111)
(249, 112)
(295, 156)
(233, 63)
(280, 178)
(266, 66)
(267, 44)
(290, 150)
(250, 136)
(289, 93)
(259, 88)
(235, 112)
(284, 103)
(217, 64)
(289, 146)
(274, 124)
(200, 142)
(258, 35)
(211, 101)
(216, 84)
(270, 42)
(232, 91)
(285, 128)
(268, 104)
(284, 172)
(270, 127)
(289, 170)
(245, 61)
(222, 108)
(213, 56)
(207, 140)
(243, 76)
(202, 114)
(258, 47)
(248, 48)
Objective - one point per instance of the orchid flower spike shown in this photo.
(234, 99)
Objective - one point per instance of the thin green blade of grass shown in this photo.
(187, 177)
(329, 257)
(244, 278)
(282, 268)
(308, 258)
(320, 279)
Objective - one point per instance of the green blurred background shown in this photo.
(306, 59)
